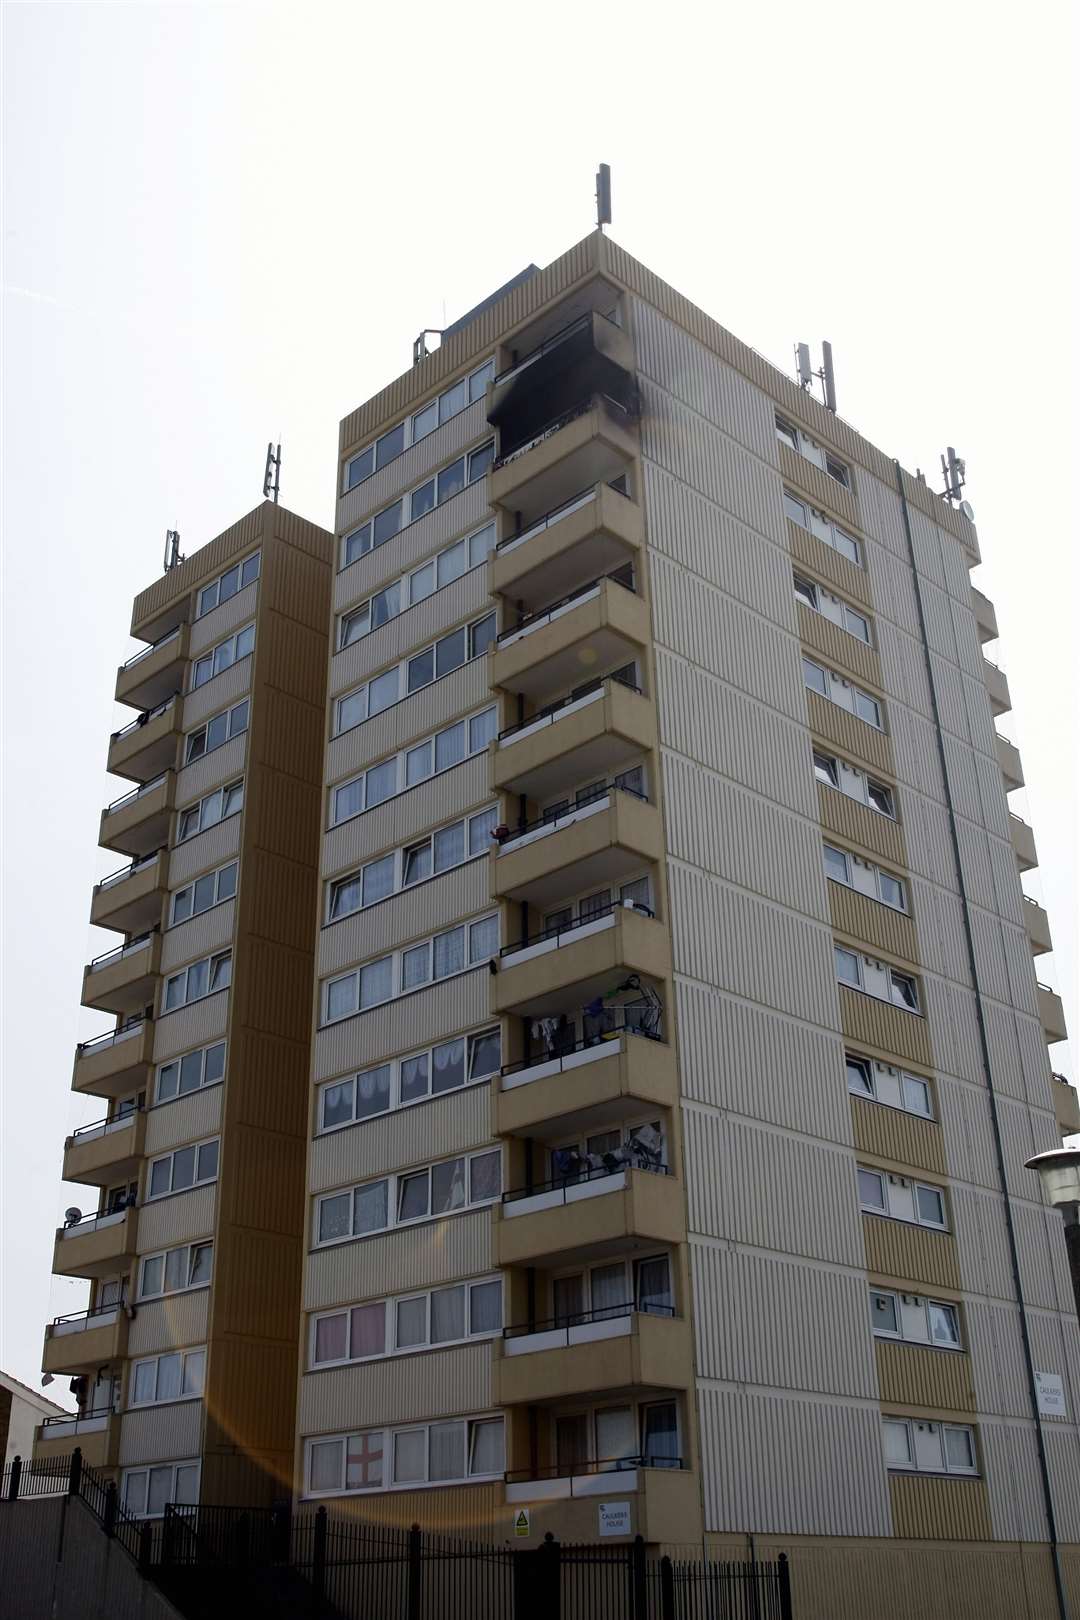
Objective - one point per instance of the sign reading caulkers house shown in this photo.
(614, 1518)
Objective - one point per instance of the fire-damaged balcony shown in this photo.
(589, 356)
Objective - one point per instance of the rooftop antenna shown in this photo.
(420, 350)
(953, 470)
(272, 473)
(603, 196)
(172, 549)
(825, 375)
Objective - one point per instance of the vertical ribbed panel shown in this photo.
(1010, 1460)
(826, 563)
(212, 771)
(401, 1389)
(414, 466)
(681, 365)
(417, 1135)
(690, 529)
(415, 1257)
(837, 649)
(180, 1218)
(936, 1509)
(889, 1133)
(854, 739)
(914, 1375)
(161, 1433)
(221, 621)
(205, 851)
(861, 828)
(400, 820)
(700, 455)
(186, 1119)
(205, 933)
(164, 1324)
(871, 924)
(410, 1022)
(412, 545)
(911, 1253)
(203, 1021)
(416, 913)
(217, 694)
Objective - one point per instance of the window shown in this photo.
(825, 770)
(869, 880)
(224, 802)
(441, 486)
(185, 1167)
(452, 951)
(884, 1084)
(814, 677)
(146, 1492)
(182, 1075)
(401, 680)
(388, 1327)
(805, 592)
(836, 864)
(209, 890)
(221, 729)
(801, 442)
(904, 991)
(448, 847)
(867, 708)
(203, 978)
(223, 656)
(189, 1266)
(428, 1453)
(840, 691)
(915, 1319)
(402, 771)
(787, 434)
(856, 624)
(397, 439)
(847, 967)
(837, 773)
(406, 592)
(832, 607)
(891, 891)
(929, 1448)
(412, 1195)
(232, 580)
(178, 1375)
(816, 523)
(877, 979)
(880, 798)
(901, 1198)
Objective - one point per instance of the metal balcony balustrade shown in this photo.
(573, 1319)
(547, 430)
(557, 513)
(630, 1025)
(555, 930)
(586, 1174)
(139, 864)
(99, 1043)
(623, 576)
(144, 719)
(592, 1466)
(76, 1321)
(102, 1127)
(553, 709)
(136, 793)
(145, 652)
(77, 1420)
(565, 814)
(139, 943)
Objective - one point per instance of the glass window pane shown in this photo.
(417, 863)
(145, 1382)
(378, 881)
(373, 1092)
(383, 691)
(422, 583)
(450, 652)
(485, 1307)
(370, 1208)
(215, 1063)
(413, 1192)
(917, 1096)
(349, 800)
(449, 846)
(452, 479)
(421, 670)
(331, 1338)
(176, 1270)
(334, 1217)
(482, 728)
(448, 1186)
(204, 892)
(368, 1330)
(447, 1314)
(381, 782)
(883, 1313)
(414, 1078)
(422, 500)
(814, 677)
(660, 1439)
(654, 1284)
(202, 1263)
(481, 828)
(450, 746)
(448, 954)
(447, 1451)
(415, 966)
(904, 993)
(186, 1489)
(183, 1168)
(356, 544)
(386, 524)
(226, 882)
(847, 967)
(891, 891)
(364, 1460)
(385, 605)
(250, 570)
(425, 421)
(341, 997)
(207, 1161)
(486, 1453)
(897, 1444)
(345, 897)
(325, 1471)
(483, 939)
(390, 445)
(410, 1454)
(160, 1177)
(198, 977)
(959, 1450)
(943, 1326)
(168, 1378)
(360, 467)
(480, 460)
(856, 624)
(858, 1077)
(418, 764)
(454, 400)
(160, 1491)
(485, 1176)
(615, 1435)
(845, 545)
(449, 1066)
(221, 971)
(337, 1105)
(152, 1272)
(451, 563)
(867, 708)
(411, 1322)
(481, 636)
(871, 1191)
(230, 584)
(485, 1054)
(479, 380)
(609, 1294)
(836, 866)
(931, 1206)
(481, 544)
(795, 510)
(167, 1080)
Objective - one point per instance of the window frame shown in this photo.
(367, 532)
(202, 730)
(177, 1063)
(835, 531)
(388, 1434)
(917, 1302)
(850, 859)
(470, 1039)
(391, 1349)
(394, 1183)
(407, 425)
(787, 431)
(872, 1068)
(150, 1468)
(891, 1178)
(401, 667)
(912, 1424)
(240, 568)
(829, 676)
(213, 961)
(396, 958)
(170, 1158)
(217, 873)
(399, 760)
(236, 786)
(210, 656)
(198, 1245)
(144, 1361)
(404, 585)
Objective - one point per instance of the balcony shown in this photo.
(590, 355)
(985, 616)
(1051, 1013)
(86, 1341)
(562, 968)
(97, 1434)
(997, 686)
(662, 1492)
(611, 1212)
(591, 1086)
(593, 533)
(1009, 760)
(147, 746)
(1066, 1105)
(602, 624)
(1023, 842)
(106, 1153)
(1037, 924)
(599, 842)
(131, 899)
(155, 673)
(115, 1064)
(613, 1351)
(595, 732)
(122, 981)
(96, 1246)
(592, 442)
(138, 822)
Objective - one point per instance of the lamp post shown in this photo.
(1059, 1172)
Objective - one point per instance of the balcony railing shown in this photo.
(103, 1127)
(556, 930)
(98, 1416)
(78, 1320)
(576, 696)
(565, 815)
(137, 658)
(137, 865)
(579, 1178)
(591, 1466)
(144, 718)
(553, 342)
(111, 1037)
(557, 513)
(136, 793)
(107, 958)
(548, 429)
(573, 1319)
(94, 1222)
(633, 1018)
(623, 576)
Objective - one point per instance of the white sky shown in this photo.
(226, 223)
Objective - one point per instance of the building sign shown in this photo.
(614, 1518)
(522, 1523)
(1051, 1393)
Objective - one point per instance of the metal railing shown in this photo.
(572, 1319)
(111, 1036)
(564, 703)
(129, 870)
(582, 801)
(144, 652)
(144, 719)
(548, 429)
(560, 1183)
(101, 1126)
(96, 1217)
(69, 1419)
(553, 342)
(594, 1465)
(618, 575)
(603, 1038)
(553, 931)
(84, 1316)
(136, 793)
(137, 944)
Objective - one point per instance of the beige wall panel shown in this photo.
(860, 828)
(751, 1313)
(868, 1021)
(462, 515)
(467, 428)
(467, 598)
(767, 1175)
(951, 1014)
(977, 867)
(417, 1135)
(827, 564)
(187, 942)
(400, 1389)
(222, 621)
(179, 1218)
(682, 366)
(760, 1064)
(186, 1119)
(205, 851)
(689, 529)
(700, 454)
(889, 1133)
(413, 914)
(826, 1444)
(875, 927)
(857, 741)
(1063, 1459)
(221, 765)
(992, 1335)
(911, 1253)
(192, 1026)
(218, 693)
(1010, 1462)
(412, 1021)
(397, 822)
(931, 1509)
(761, 847)
(409, 720)
(415, 1257)
(913, 1375)
(476, 1511)
(927, 837)
(900, 650)
(161, 1433)
(843, 652)
(810, 481)
(162, 1324)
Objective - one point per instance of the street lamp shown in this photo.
(1059, 1172)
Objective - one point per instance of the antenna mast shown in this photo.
(953, 470)
(173, 559)
(824, 375)
(603, 196)
(272, 473)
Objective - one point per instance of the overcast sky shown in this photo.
(226, 223)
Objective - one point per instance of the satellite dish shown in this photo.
(968, 510)
(72, 1216)
(47, 1380)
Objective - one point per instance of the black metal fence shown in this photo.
(309, 1564)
